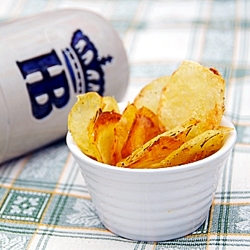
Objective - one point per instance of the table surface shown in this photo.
(46, 188)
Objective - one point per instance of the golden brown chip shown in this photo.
(79, 118)
(91, 135)
(104, 134)
(193, 91)
(121, 132)
(159, 147)
(146, 126)
(149, 96)
(109, 103)
(195, 149)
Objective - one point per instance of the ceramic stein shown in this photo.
(45, 61)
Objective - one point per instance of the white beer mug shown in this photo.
(46, 60)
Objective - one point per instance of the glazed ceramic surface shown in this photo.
(45, 65)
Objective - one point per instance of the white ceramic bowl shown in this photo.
(153, 204)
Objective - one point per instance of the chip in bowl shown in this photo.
(193, 91)
(150, 95)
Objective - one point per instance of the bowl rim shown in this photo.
(228, 145)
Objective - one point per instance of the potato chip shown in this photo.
(195, 149)
(104, 133)
(121, 132)
(149, 96)
(109, 103)
(91, 135)
(79, 118)
(159, 147)
(146, 126)
(193, 91)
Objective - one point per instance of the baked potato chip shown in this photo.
(79, 118)
(193, 91)
(109, 103)
(121, 132)
(195, 149)
(91, 134)
(159, 147)
(146, 126)
(150, 95)
(104, 134)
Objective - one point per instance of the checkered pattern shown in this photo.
(44, 202)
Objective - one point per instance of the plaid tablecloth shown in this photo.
(44, 203)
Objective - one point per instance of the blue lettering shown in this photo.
(46, 83)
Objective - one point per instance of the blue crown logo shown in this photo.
(47, 82)
(85, 65)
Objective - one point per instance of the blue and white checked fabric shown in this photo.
(44, 203)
